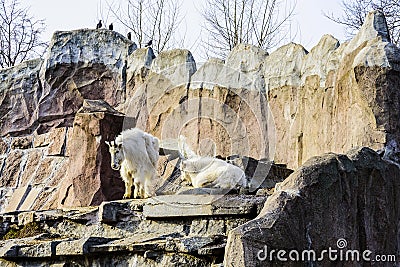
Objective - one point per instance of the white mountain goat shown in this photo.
(208, 171)
(135, 154)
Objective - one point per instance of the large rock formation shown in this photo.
(354, 197)
(223, 108)
(335, 97)
(268, 107)
(166, 231)
(250, 109)
(83, 64)
(41, 155)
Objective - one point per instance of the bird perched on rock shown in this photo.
(149, 43)
(129, 36)
(99, 25)
(111, 27)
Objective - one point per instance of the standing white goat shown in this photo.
(135, 154)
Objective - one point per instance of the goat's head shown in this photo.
(117, 154)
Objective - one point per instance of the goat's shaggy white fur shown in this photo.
(135, 154)
(212, 173)
(207, 171)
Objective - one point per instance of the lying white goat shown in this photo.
(135, 154)
(207, 171)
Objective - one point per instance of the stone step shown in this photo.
(168, 206)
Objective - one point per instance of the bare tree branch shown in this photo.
(258, 22)
(355, 11)
(19, 34)
(155, 20)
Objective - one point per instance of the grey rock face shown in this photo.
(20, 91)
(82, 64)
(118, 233)
(345, 193)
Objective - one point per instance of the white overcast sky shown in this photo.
(309, 22)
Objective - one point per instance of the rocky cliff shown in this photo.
(253, 109)
(287, 106)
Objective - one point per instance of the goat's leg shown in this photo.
(136, 191)
(139, 181)
(141, 189)
(127, 178)
(128, 189)
(148, 190)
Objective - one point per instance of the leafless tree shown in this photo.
(355, 11)
(19, 34)
(257, 22)
(155, 20)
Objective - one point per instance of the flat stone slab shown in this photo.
(169, 147)
(31, 247)
(39, 250)
(8, 249)
(79, 247)
(188, 244)
(201, 205)
(120, 210)
(155, 245)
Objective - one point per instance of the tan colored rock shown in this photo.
(282, 68)
(246, 58)
(3, 146)
(89, 178)
(31, 198)
(321, 59)
(242, 69)
(58, 139)
(46, 199)
(177, 65)
(47, 168)
(208, 75)
(12, 169)
(347, 98)
(41, 140)
(221, 120)
(18, 197)
(32, 166)
(21, 142)
(139, 63)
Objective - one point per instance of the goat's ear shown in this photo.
(108, 143)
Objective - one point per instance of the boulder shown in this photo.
(321, 59)
(335, 97)
(282, 68)
(241, 69)
(82, 64)
(246, 58)
(354, 195)
(177, 65)
(139, 63)
(89, 179)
